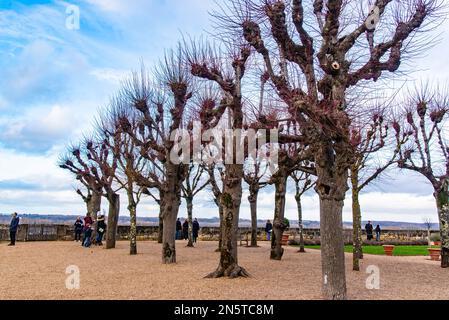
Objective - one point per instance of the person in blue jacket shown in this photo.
(13, 228)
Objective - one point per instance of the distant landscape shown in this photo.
(205, 222)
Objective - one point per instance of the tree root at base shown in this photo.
(232, 272)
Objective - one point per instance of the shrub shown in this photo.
(435, 237)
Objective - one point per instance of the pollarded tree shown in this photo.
(95, 163)
(303, 182)
(92, 198)
(129, 160)
(162, 104)
(255, 176)
(227, 71)
(325, 49)
(195, 182)
(217, 190)
(427, 152)
(373, 155)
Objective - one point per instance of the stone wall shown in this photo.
(39, 232)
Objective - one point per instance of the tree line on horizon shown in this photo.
(313, 71)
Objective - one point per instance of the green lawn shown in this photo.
(379, 250)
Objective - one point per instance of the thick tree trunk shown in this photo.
(357, 252)
(113, 216)
(300, 223)
(230, 202)
(278, 222)
(189, 201)
(253, 207)
(332, 184)
(132, 207)
(442, 198)
(170, 202)
(93, 207)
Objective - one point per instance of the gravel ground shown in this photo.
(37, 271)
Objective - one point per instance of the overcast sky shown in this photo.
(53, 80)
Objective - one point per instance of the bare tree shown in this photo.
(162, 106)
(94, 163)
(322, 49)
(129, 160)
(369, 138)
(94, 193)
(428, 151)
(255, 177)
(207, 63)
(428, 223)
(195, 182)
(303, 183)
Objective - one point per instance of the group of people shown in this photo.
(369, 231)
(85, 227)
(182, 230)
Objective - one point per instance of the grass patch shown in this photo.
(379, 250)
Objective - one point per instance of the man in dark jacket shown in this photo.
(78, 229)
(178, 229)
(14, 225)
(185, 230)
(268, 229)
(101, 229)
(195, 230)
(369, 231)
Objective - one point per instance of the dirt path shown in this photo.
(37, 271)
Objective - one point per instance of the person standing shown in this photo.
(185, 230)
(369, 231)
(268, 229)
(13, 226)
(378, 232)
(101, 229)
(195, 230)
(87, 235)
(78, 229)
(88, 222)
(178, 229)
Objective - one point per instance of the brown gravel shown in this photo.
(37, 271)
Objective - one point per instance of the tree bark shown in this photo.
(161, 225)
(300, 223)
(357, 251)
(280, 185)
(93, 207)
(442, 199)
(253, 207)
(132, 207)
(113, 216)
(170, 202)
(230, 202)
(189, 201)
(220, 233)
(331, 187)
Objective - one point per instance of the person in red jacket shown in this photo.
(88, 221)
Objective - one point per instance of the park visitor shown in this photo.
(87, 235)
(195, 230)
(101, 229)
(13, 226)
(178, 229)
(268, 229)
(369, 231)
(78, 229)
(378, 231)
(185, 230)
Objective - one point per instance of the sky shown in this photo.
(54, 78)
